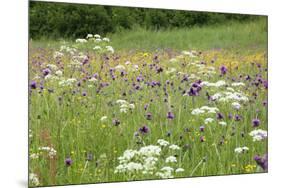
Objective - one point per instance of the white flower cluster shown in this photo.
(237, 84)
(124, 105)
(58, 54)
(236, 105)
(81, 41)
(191, 54)
(67, 82)
(150, 151)
(68, 49)
(51, 77)
(162, 142)
(146, 160)
(230, 96)
(239, 150)
(208, 120)
(34, 180)
(120, 67)
(143, 159)
(219, 83)
(171, 159)
(165, 172)
(51, 151)
(222, 123)
(258, 134)
(174, 147)
(96, 48)
(34, 156)
(100, 43)
(109, 49)
(204, 109)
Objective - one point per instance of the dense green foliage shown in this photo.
(61, 20)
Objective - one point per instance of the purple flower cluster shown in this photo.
(262, 161)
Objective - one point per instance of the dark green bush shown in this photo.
(62, 20)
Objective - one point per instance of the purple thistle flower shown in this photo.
(265, 84)
(139, 78)
(195, 85)
(159, 69)
(96, 75)
(115, 122)
(192, 92)
(202, 139)
(113, 77)
(262, 161)
(148, 116)
(219, 116)
(122, 73)
(167, 82)
(185, 78)
(145, 107)
(85, 60)
(223, 70)
(237, 117)
(33, 85)
(170, 115)
(144, 129)
(68, 161)
(137, 87)
(255, 122)
(169, 133)
(46, 71)
(248, 77)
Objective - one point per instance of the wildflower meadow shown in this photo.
(99, 113)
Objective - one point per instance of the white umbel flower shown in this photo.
(171, 159)
(97, 48)
(162, 142)
(222, 123)
(89, 36)
(150, 151)
(34, 180)
(81, 41)
(236, 105)
(106, 39)
(178, 170)
(239, 150)
(174, 147)
(97, 36)
(110, 49)
(208, 120)
(258, 135)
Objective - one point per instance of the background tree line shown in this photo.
(62, 20)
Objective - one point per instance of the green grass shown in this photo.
(248, 35)
(233, 35)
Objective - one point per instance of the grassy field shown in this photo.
(128, 111)
(232, 36)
